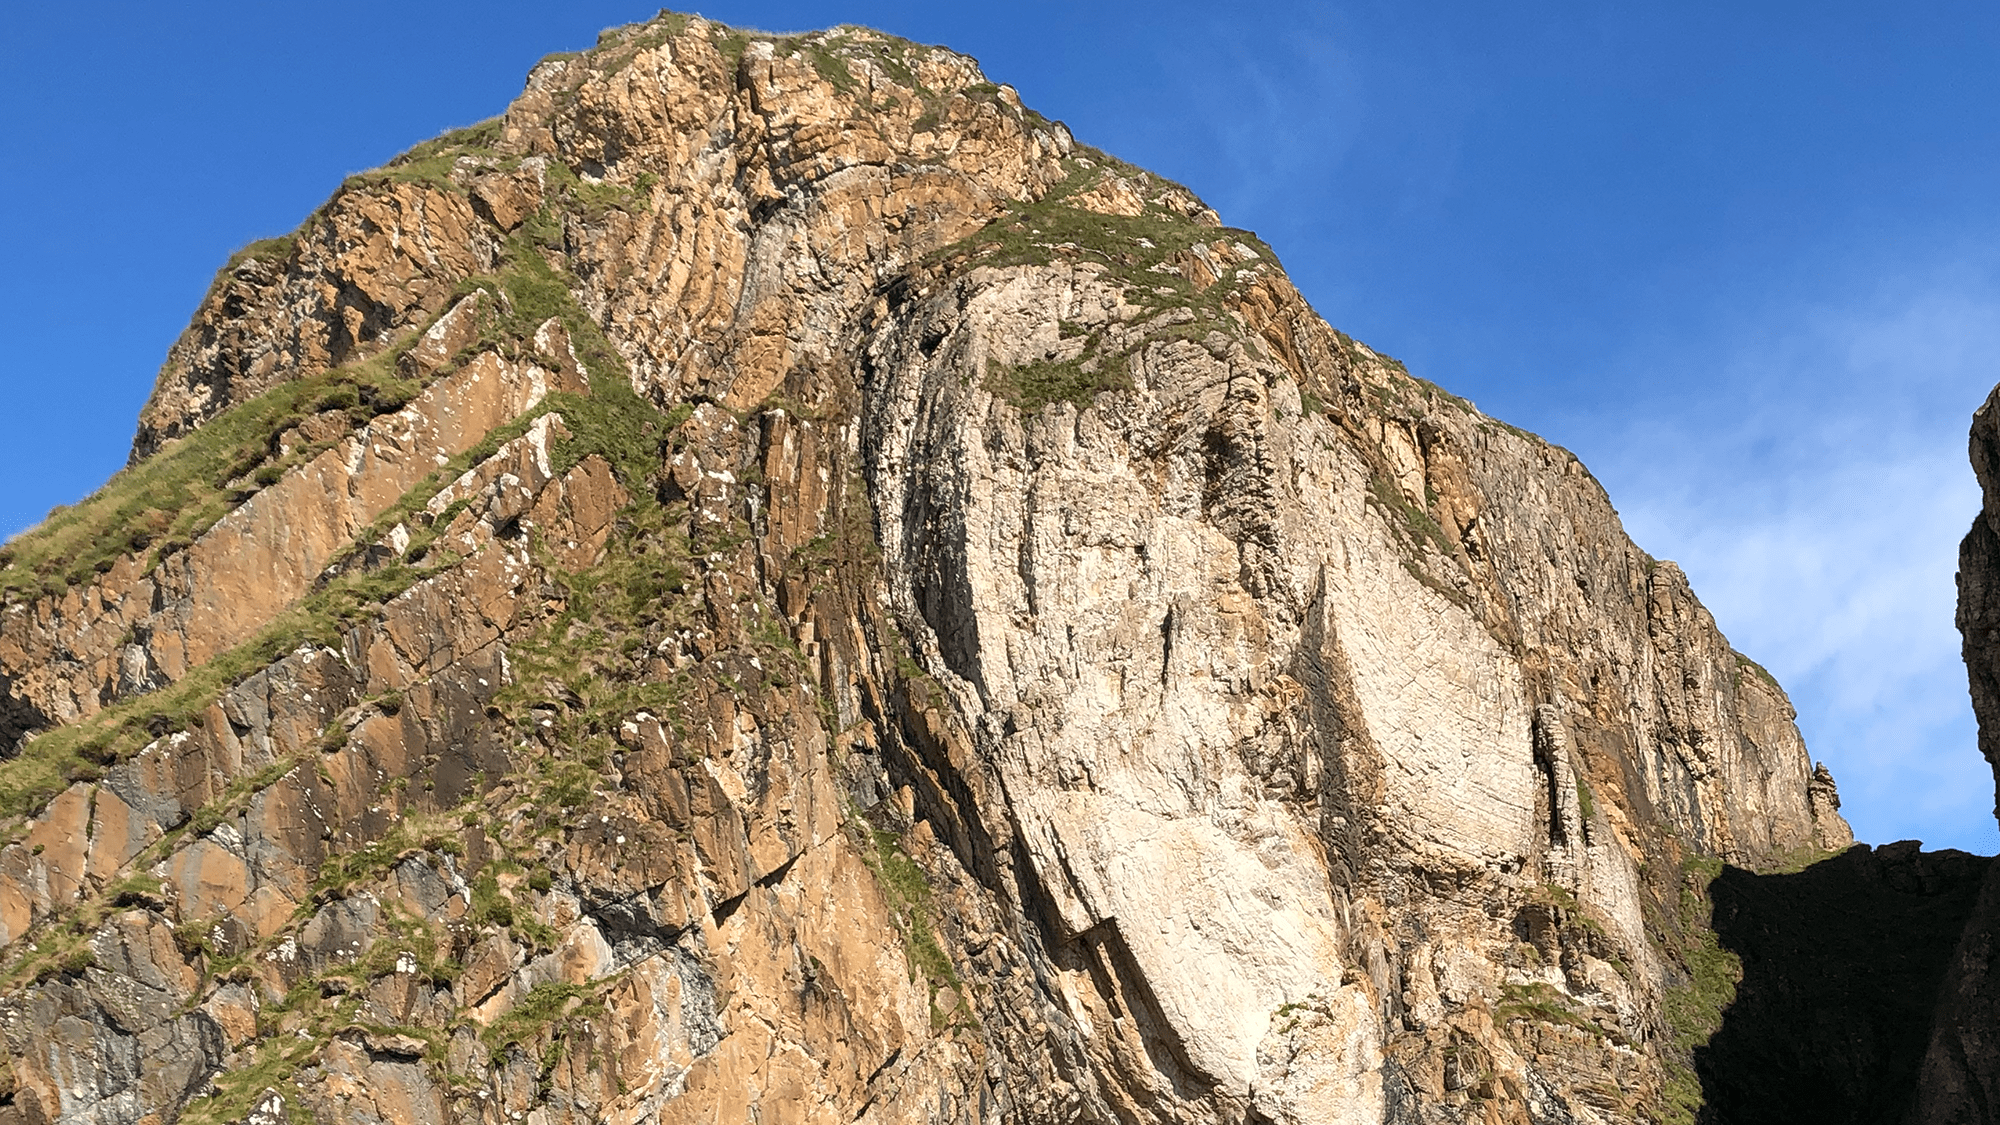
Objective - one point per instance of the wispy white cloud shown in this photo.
(1819, 517)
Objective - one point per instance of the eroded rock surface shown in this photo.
(1960, 1080)
(874, 612)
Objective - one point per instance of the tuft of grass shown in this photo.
(431, 163)
(1032, 386)
(1796, 860)
(831, 67)
(345, 869)
(1417, 526)
(264, 250)
(233, 799)
(904, 884)
(543, 1006)
(271, 1066)
(1540, 1002)
(1148, 255)
(1743, 662)
(1140, 250)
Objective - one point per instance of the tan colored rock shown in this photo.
(1235, 735)
(506, 200)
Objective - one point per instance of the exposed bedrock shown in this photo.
(771, 582)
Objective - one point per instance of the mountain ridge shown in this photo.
(813, 463)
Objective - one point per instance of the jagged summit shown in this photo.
(771, 579)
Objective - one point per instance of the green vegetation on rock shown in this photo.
(432, 162)
(168, 500)
(908, 891)
(1707, 981)
(1150, 255)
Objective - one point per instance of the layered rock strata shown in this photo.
(873, 611)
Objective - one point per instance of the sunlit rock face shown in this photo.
(772, 582)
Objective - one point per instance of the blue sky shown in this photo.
(1743, 259)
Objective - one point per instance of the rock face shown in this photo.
(1960, 1082)
(863, 609)
(1842, 964)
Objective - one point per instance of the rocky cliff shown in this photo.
(1960, 1081)
(772, 583)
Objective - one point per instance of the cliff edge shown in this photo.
(772, 582)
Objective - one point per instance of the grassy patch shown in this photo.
(185, 488)
(165, 502)
(1435, 392)
(271, 1066)
(264, 250)
(1796, 860)
(1540, 1002)
(1416, 526)
(82, 750)
(1142, 251)
(543, 1006)
(590, 665)
(1149, 255)
(1708, 975)
(1032, 386)
(233, 799)
(1745, 663)
(593, 199)
(343, 870)
(909, 893)
(431, 162)
(831, 67)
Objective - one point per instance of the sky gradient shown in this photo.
(1744, 260)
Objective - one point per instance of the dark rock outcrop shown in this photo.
(1842, 963)
(1960, 1083)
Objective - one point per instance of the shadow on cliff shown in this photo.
(1842, 964)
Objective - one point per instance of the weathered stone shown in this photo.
(972, 682)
